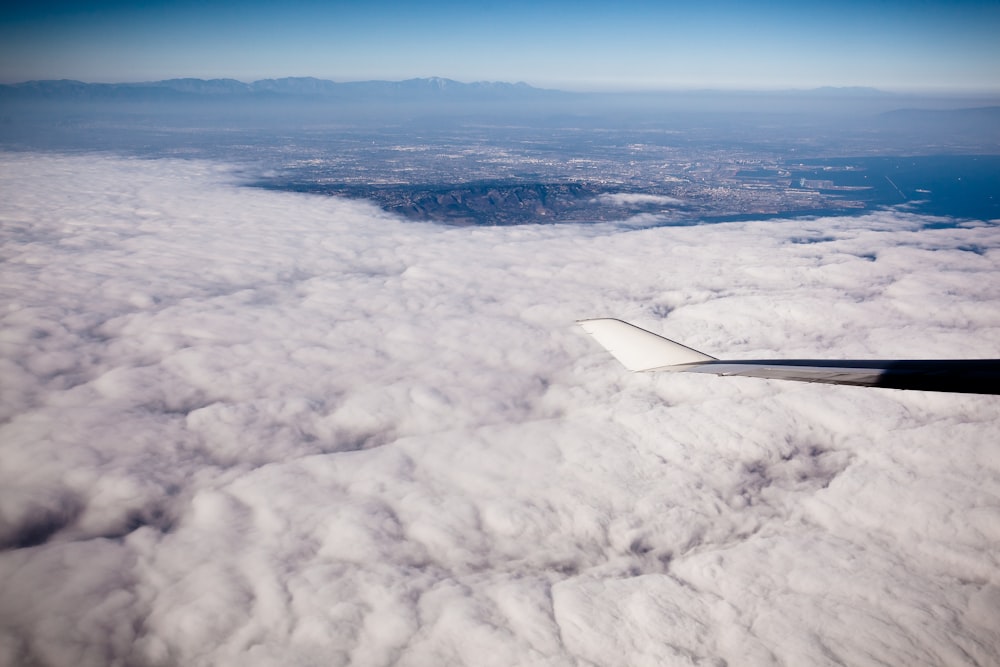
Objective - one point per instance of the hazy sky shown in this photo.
(573, 45)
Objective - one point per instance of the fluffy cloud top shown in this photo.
(249, 427)
(637, 198)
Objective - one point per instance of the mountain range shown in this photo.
(442, 95)
(437, 87)
(300, 87)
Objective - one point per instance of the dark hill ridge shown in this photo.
(486, 202)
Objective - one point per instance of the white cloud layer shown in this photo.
(256, 428)
(634, 198)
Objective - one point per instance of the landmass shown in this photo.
(493, 153)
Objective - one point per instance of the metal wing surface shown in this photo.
(641, 350)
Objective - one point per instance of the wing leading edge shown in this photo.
(641, 350)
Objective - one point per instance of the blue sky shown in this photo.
(915, 45)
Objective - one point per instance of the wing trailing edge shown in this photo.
(641, 350)
(638, 349)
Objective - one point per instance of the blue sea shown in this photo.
(953, 186)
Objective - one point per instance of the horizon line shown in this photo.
(598, 90)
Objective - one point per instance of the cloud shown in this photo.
(266, 427)
(638, 199)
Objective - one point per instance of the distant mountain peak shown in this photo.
(439, 81)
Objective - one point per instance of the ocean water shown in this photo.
(955, 186)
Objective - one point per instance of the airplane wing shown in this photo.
(641, 350)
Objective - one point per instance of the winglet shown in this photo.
(638, 349)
